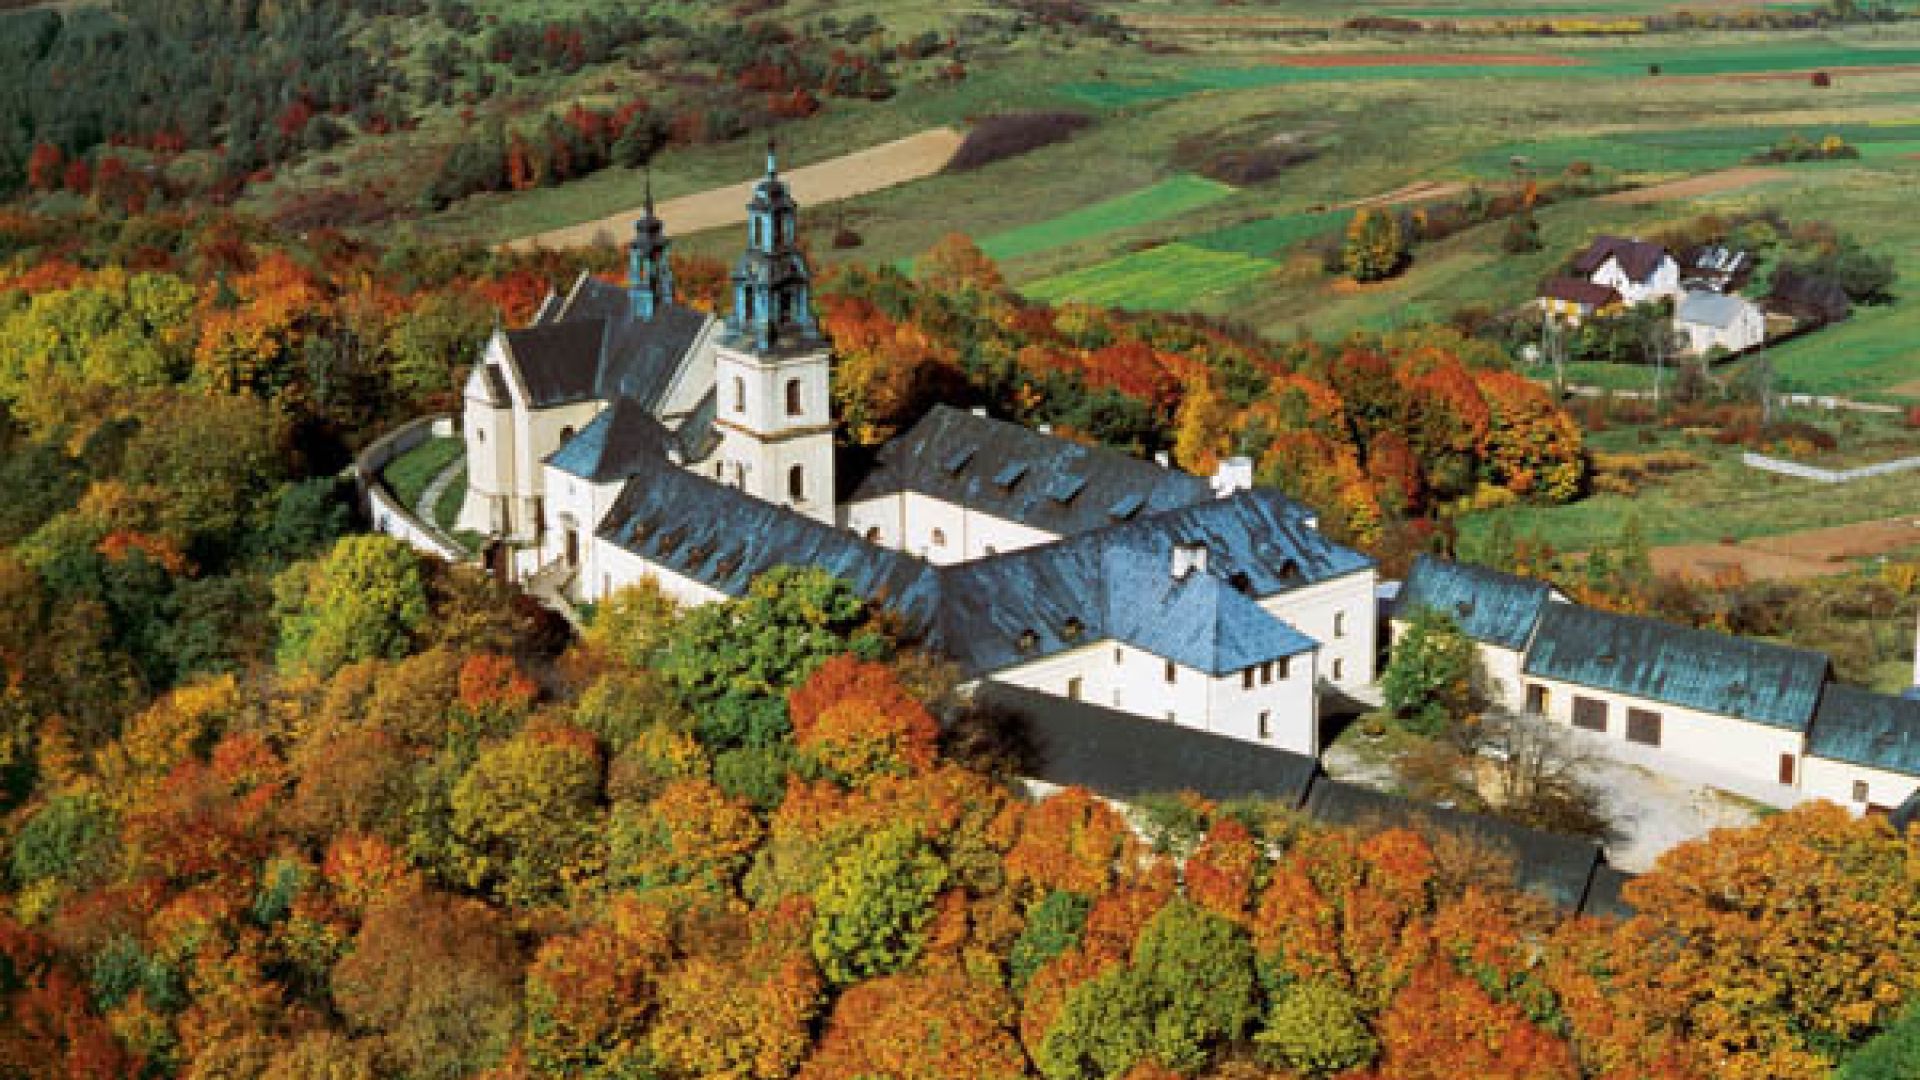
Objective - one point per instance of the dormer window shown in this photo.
(1027, 642)
(1072, 629)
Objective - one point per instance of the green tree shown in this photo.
(1429, 681)
(733, 662)
(1316, 1028)
(364, 600)
(1894, 1054)
(873, 905)
(430, 345)
(1053, 926)
(1375, 247)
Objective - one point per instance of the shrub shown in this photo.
(997, 138)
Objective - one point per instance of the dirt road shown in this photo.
(1804, 554)
(859, 173)
(1694, 186)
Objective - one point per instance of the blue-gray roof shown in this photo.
(593, 348)
(1025, 476)
(615, 445)
(724, 538)
(1013, 608)
(1703, 307)
(1490, 606)
(1197, 620)
(1863, 728)
(1695, 669)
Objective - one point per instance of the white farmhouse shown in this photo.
(624, 436)
(1639, 271)
(1709, 320)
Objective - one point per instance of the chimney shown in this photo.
(1161, 459)
(980, 411)
(1045, 429)
(1233, 474)
(1187, 559)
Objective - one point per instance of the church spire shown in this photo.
(772, 288)
(649, 276)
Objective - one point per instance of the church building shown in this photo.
(624, 435)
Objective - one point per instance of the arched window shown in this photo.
(739, 394)
(873, 535)
(797, 484)
(719, 470)
(566, 435)
(793, 397)
(759, 231)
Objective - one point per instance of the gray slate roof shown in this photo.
(1696, 669)
(1863, 728)
(1703, 308)
(617, 444)
(1025, 476)
(1198, 620)
(591, 349)
(1120, 755)
(1490, 606)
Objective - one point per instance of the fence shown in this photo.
(385, 511)
(1827, 476)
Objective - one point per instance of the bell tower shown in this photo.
(771, 369)
(649, 277)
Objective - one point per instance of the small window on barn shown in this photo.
(1643, 727)
(1589, 713)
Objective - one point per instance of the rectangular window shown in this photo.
(1286, 666)
(1173, 672)
(1266, 725)
(1643, 727)
(1339, 624)
(1339, 669)
(1117, 652)
(1171, 718)
(1589, 714)
(1246, 679)
(1266, 672)
(1537, 700)
(1073, 688)
(1859, 791)
(1786, 769)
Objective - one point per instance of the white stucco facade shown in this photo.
(1339, 614)
(1856, 787)
(776, 426)
(1753, 752)
(940, 532)
(1746, 328)
(1274, 706)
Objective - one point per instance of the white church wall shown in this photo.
(1133, 680)
(695, 377)
(1339, 614)
(878, 521)
(618, 567)
(1855, 787)
(572, 502)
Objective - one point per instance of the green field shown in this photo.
(1170, 277)
(1163, 200)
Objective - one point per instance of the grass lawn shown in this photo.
(408, 475)
(1724, 499)
(446, 510)
(1168, 198)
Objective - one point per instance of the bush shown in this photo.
(997, 138)
(1316, 1028)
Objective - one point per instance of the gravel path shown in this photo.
(859, 173)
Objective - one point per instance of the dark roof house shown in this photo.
(1696, 669)
(1590, 295)
(1490, 606)
(1638, 259)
